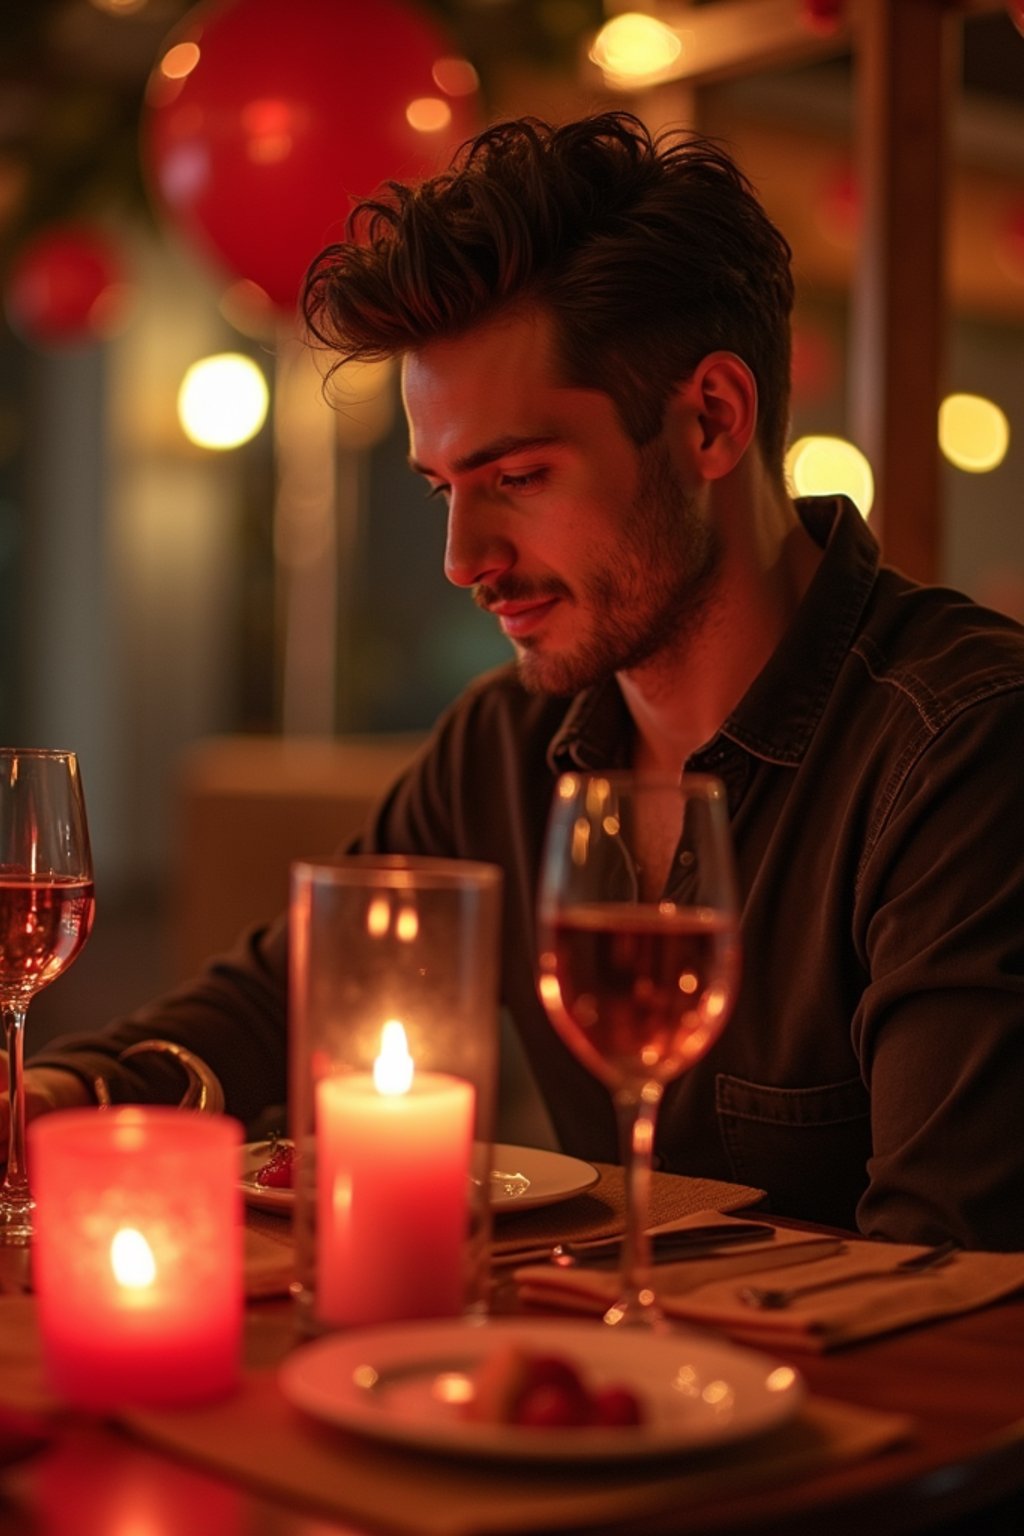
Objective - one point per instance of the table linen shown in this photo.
(707, 1292)
(406, 1494)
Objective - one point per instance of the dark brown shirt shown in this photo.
(873, 1070)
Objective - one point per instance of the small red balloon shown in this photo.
(264, 119)
(67, 285)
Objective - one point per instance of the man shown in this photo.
(594, 335)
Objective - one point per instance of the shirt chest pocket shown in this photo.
(808, 1147)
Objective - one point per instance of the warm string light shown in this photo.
(831, 466)
(223, 401)
(634, 49)
(974, 433)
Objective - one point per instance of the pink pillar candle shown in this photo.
(137, 1262)
(393, 1164)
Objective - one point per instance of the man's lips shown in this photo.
(522, 617)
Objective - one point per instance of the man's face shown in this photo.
(589, 551)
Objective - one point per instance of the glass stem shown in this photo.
(637, 1114)
(15, 1183)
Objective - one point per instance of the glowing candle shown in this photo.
(137, 1262)
(393, 1150)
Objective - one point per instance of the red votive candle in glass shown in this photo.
(137, 1261)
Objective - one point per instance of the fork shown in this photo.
(770, 1298)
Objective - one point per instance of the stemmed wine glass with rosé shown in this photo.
(46, 912)
(639, 957)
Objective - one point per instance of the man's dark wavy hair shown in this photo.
(648, 252)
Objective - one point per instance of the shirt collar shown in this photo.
(777, 715)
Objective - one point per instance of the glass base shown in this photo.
(16, 1226)
(637, 1310)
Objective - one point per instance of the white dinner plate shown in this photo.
(551, 1177)
(398, 1384)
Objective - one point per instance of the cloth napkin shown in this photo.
(707, 1291)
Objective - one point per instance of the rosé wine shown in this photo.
(642, 991)
(43, 924)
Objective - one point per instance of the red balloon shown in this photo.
(67, 285)
(265, 118)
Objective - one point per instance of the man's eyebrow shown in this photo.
(498, 449)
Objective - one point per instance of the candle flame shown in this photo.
(393, 1069)
(131, 1259)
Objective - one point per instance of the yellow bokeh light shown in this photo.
(830, 466)
(633, 47)
(974, 434)
(179, 61)
(223, 401)
(456, 77)
(428, 114)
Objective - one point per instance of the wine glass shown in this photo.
(46, 912)
(639, 957)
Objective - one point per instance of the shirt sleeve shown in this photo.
(940, 1028)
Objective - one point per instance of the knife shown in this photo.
(681, 1242)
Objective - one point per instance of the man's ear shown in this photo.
(719, 400)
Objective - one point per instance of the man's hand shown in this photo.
(46, 1088)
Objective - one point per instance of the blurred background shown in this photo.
(215, 582)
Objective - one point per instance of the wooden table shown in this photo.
(962, 1381)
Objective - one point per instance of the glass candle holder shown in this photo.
(137, 1261)
(394, 1039)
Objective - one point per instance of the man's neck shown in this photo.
(680, 698)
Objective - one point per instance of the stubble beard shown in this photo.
(651, 603)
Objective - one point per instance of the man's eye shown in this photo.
(434, 491)
(524, 482)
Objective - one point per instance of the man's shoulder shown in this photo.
(940, 647)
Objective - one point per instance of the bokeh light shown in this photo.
(974, 434)
(223, 401)
(428, 114)
(179, 61)
(456, 77)
(831, 466)
(632, 47)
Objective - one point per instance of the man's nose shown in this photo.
(478, 549)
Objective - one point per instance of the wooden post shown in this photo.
(904, 56)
